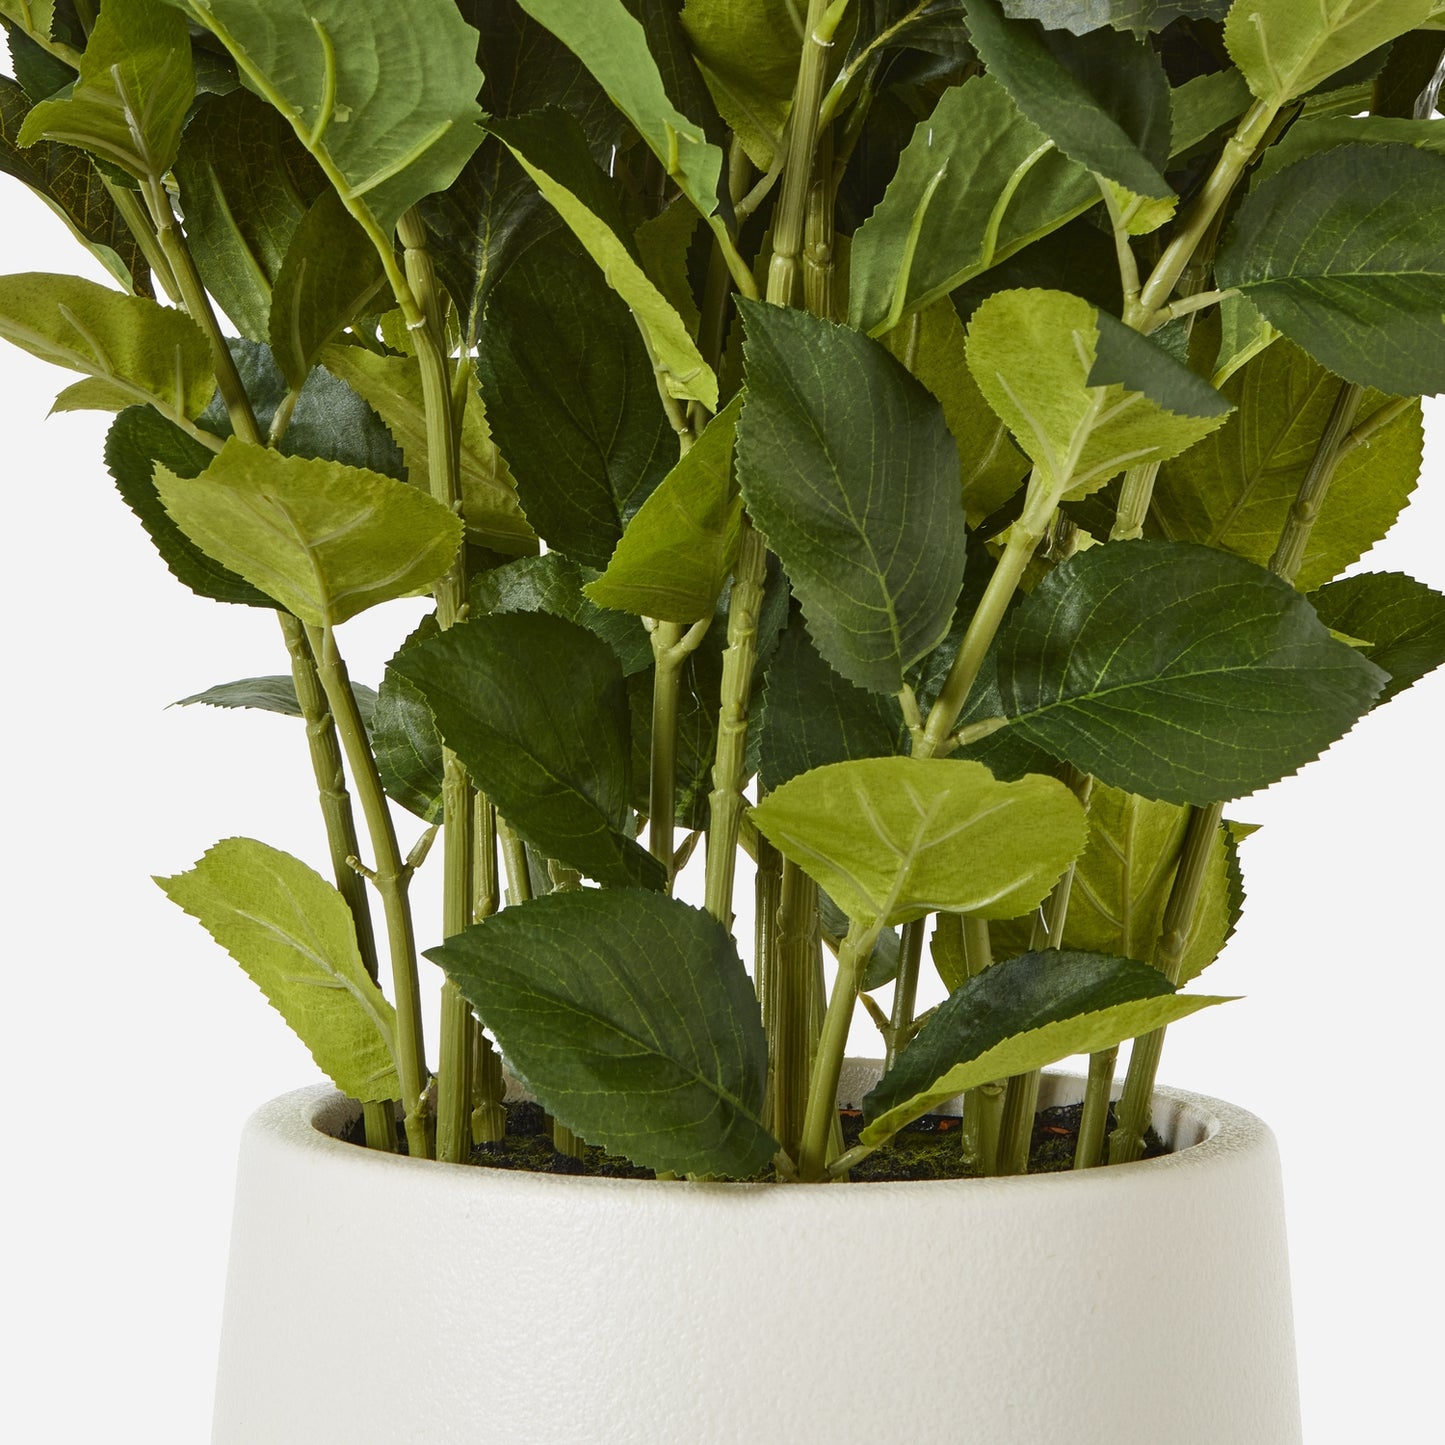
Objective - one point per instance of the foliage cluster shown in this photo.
(914, 442)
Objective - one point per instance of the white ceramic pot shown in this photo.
(376, 1300)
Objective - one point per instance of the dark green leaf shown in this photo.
(293, 934)
(1204, 105)
(536, 709)
(1344, 252)
(384, 97)
(139, 438)
(1178, 672)
(1236, 488)
(677, 552)
(405, 740)
(557, 585)
(66, 178)
(326, 540)
(934, 228)
(1083, 16)
(1402, 619)
(632, 1020)
(579, 420)
(810, 716)
(845, 462)
(1310, 136)
(136, 85)
(329, 278)
(272, 694)
(1103, 99)
(882, 965)
(1019, 1015)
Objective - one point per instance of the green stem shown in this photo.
(489, 1114)
(130, 210)
(983, 1106)
(905, 989)
(514, 863)
(1094, 1122)
(671, 647)
(390, 875)
(791, 1007)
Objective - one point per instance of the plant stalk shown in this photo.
(905, 990)
(792, 1006)
(489, 1114)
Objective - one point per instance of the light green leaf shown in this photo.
(632, 1020)
(976, 183)
(536, 709)
(391, 386)
(1244, 334)
(1177, 672)
(613, 46)
(1017, 1016)
(1102, 99)
(246, 182)
(552, 149)
(993, 468)
(1285, 48)
(748, 53)
(845, 462)
(1122, 882)
(1204, 105)
(663, 244)
(1235, 490)
(1083, 395)
(383, 96)
(677, 552)
(893, 839)
(143, 351)
(69, 184)
(1344, 251)
(293, 934)
(325, 540)
(579, 420)
(1402, 619)
(135, 87)
(329, 279)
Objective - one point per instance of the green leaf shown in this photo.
(664, 242)
(138, 439)
(579, 420)
(882, 965)
(1285, 48)
(1204, 105)
(329, 279)
(1017, 1016)
(552, 149)
(536, 709)
(993, 468)
(893, 839)
(1312, 135)
(142, 351)
(246, 182)
(271, 694)
(292, 933)
(391, 385)
(846, 463)
(976, 183)
(1235, 490)
(810, 716)
(1243, 335)
(1178, 672)
(748, 54)
(383, 96)
(65, 180)
(1344, 251)
(678, 551)
(325, 540)
(1122, 882)
(405, 740)
(613, 46)
(1401, 619)
(1083, 16)
(1102, 99)
(632, 1020)
(1082, 394)
(554, 584)
(136, 85)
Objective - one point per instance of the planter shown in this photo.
(377, 1299)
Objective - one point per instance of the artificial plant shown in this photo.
(913, 444)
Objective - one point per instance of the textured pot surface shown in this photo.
(375, 1300)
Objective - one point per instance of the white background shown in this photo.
(135, 1049)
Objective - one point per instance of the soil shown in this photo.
(928, 1148)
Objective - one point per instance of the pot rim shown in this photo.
(305, 1121)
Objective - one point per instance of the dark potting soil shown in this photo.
(928, 1148)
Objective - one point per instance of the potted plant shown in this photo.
(911, 446)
